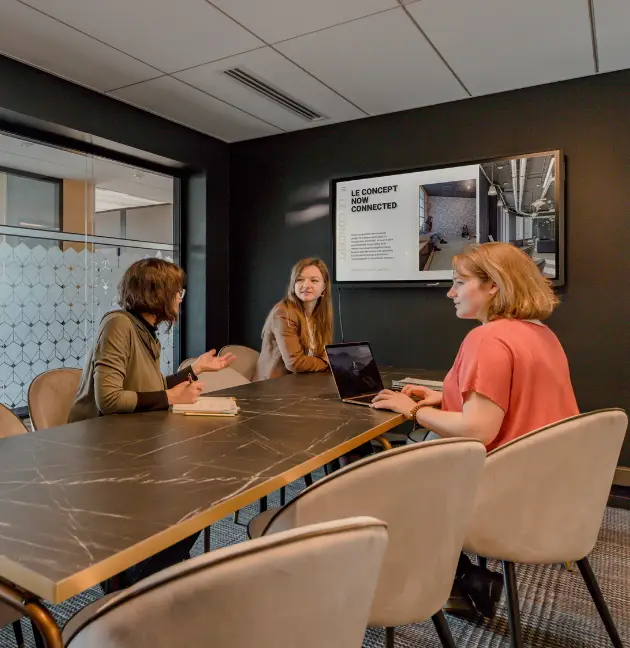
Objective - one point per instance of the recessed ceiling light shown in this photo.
(107, 200)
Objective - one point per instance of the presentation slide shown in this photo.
(405, 227)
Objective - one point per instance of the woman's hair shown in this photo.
(322, 317)
(151, 286)
(523, 292)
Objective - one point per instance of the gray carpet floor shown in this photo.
(557, 611)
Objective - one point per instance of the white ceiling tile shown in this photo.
(381, 63)
(175, 100)
(277, 71)
(167, 34)
(612, 25)
(495, 46)
(28, 35)
(276, 20)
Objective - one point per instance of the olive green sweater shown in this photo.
(122, 372)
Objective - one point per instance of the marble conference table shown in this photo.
(81, 502)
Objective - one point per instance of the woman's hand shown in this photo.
(209, 361)
(428, 397)
(186, 393)
(394, 401)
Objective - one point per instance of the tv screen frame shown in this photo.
(559, 189)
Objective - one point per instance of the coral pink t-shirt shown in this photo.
(519, 365)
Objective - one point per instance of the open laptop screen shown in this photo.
(354, 369)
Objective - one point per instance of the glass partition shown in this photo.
(70, 225)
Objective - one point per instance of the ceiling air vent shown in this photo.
(261, 87)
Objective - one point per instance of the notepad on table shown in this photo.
(431, 384)
(209, 406)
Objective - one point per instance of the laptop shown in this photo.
(355, 372)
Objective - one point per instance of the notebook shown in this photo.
(431, 384)
(209, 406)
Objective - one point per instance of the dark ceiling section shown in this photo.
(460, 189)
(500, 173)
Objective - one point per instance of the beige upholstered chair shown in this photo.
(11, 425)
(266, 593)
(186, 363)
(246, 359)
(217, 380)
(50, 397)
(425, 493)
(542, 498)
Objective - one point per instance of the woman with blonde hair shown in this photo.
(300, 326)
(510, 376)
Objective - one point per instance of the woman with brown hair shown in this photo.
(300, 326)
(122, 373)
(510, 377)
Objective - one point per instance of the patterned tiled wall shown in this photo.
(450, 214)
(51, 304)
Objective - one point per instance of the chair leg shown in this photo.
(283, 496)
(17, 631)
(600, 603)
(39, 640)
(389, 637)
(514, 613)
(308, 480)
(482, 562)
(206, 540)
(263, 508)
(443, 630)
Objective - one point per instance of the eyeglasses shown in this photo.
(182, 293)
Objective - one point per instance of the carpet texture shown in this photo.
(557, 611)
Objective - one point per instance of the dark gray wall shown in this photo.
(279, 214)
(35, 103)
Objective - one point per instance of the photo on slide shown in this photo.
(447, 220)
(522, 201)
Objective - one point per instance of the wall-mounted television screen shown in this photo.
(406, 227)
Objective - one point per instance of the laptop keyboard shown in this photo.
(363, 399)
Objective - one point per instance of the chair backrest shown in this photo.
(425, 493)
(50, 397)
(217, 380)
(10, 424)
(246, 359)
(542, 496)
(186, 363)
(308, 587)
